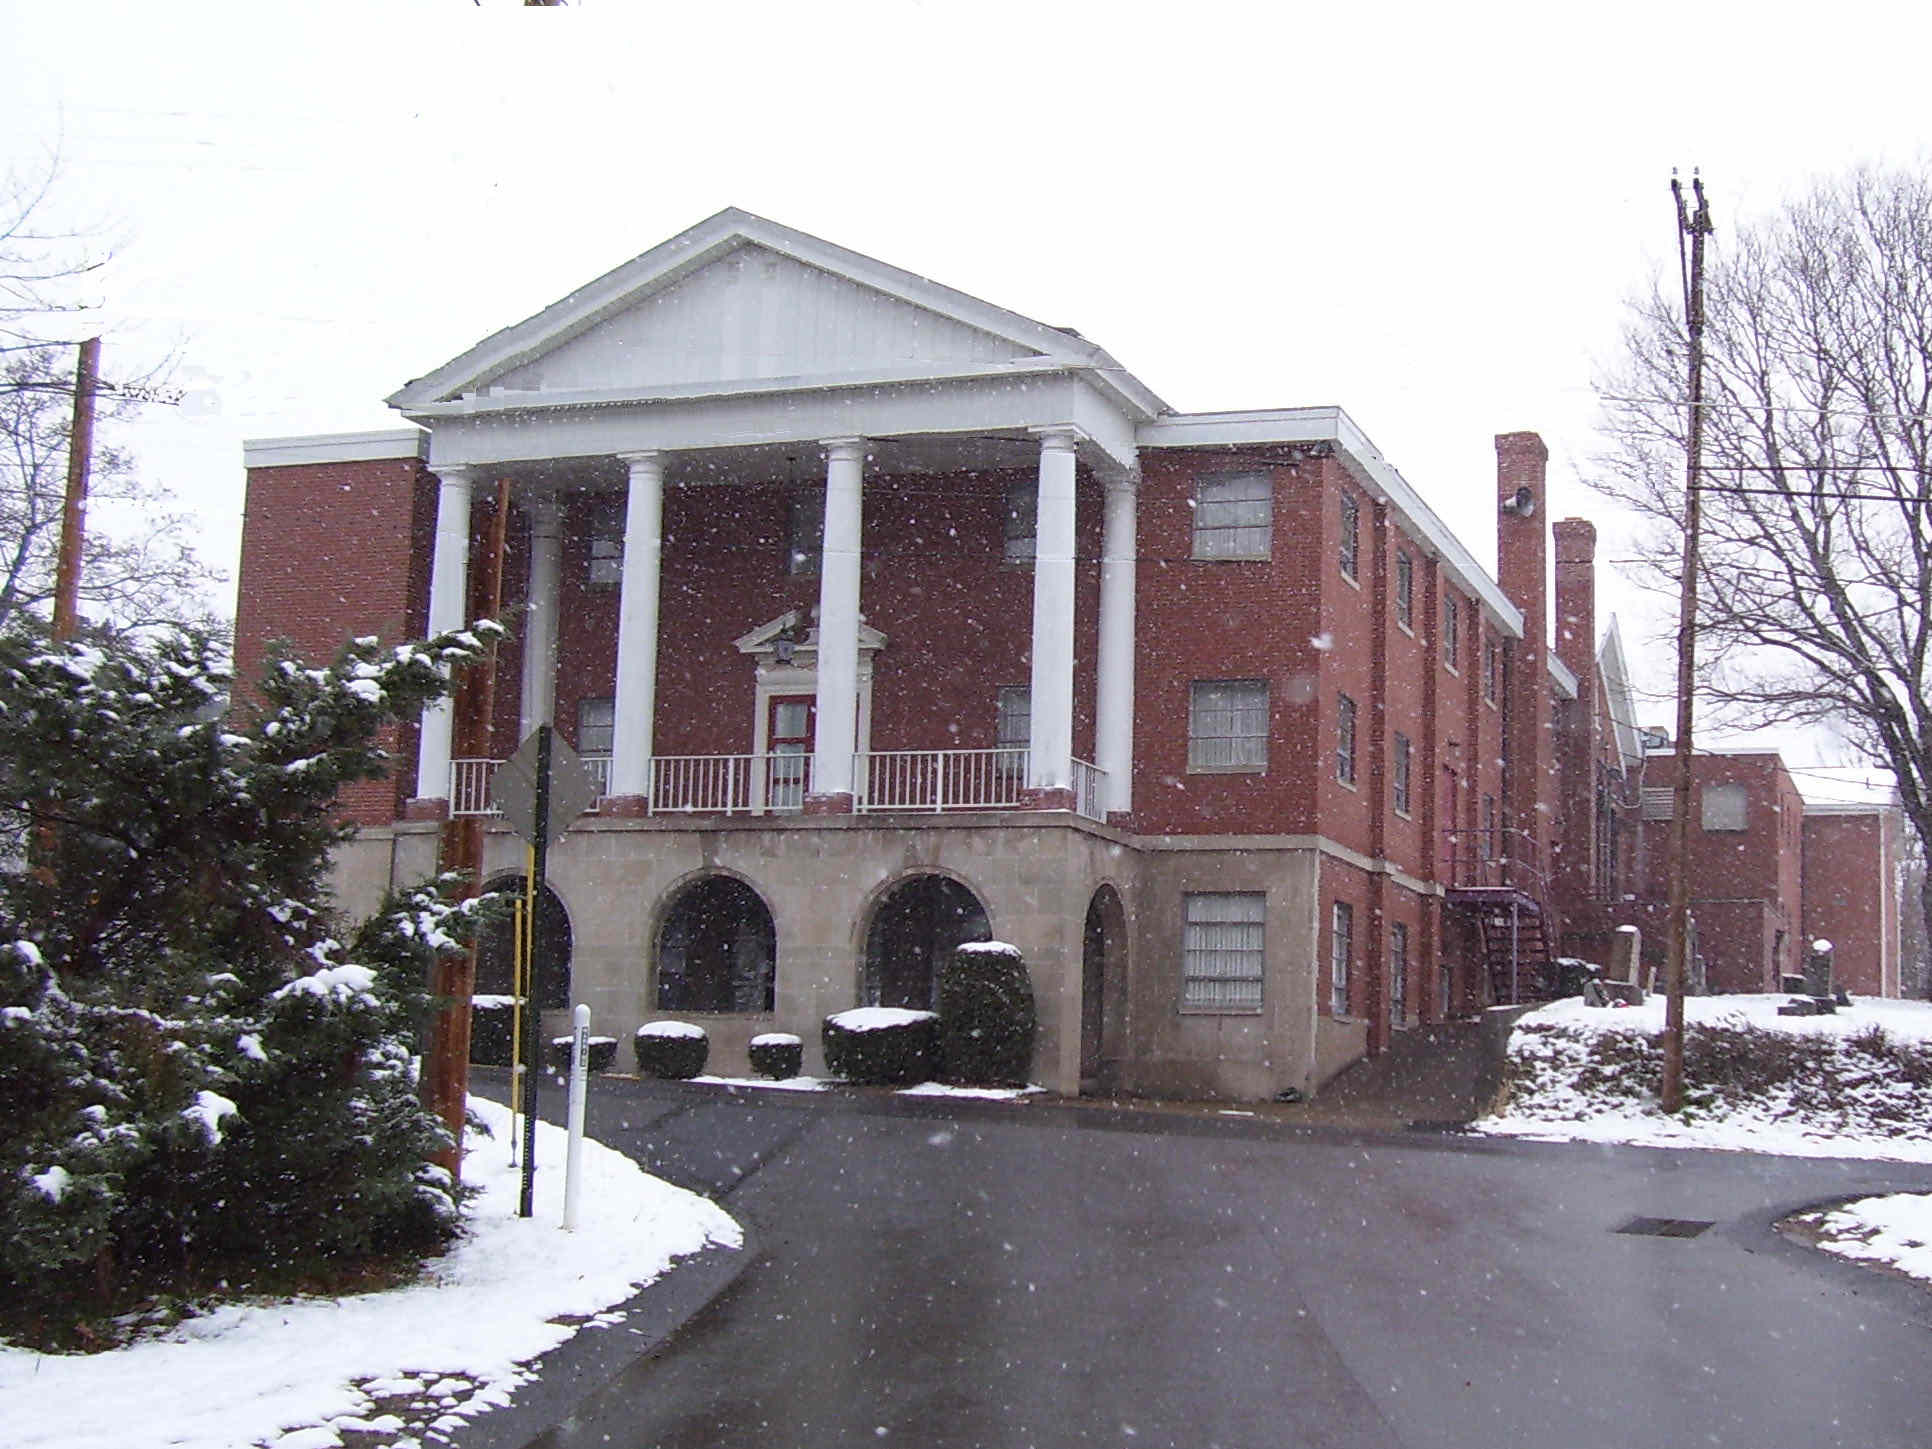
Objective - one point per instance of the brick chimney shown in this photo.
(1522, 567)
(1578, 741)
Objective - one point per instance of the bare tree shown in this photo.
(40, 260)
(1815, 588)
(139, 568)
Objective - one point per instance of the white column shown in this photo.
(540, 616)
(1050, 760)
(837, 728)
(1114, 715)
(449, 572)
(636, 689)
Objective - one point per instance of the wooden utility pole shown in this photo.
(446, 1052)
(73, 516)
(1694, 226)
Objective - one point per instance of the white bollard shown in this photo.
(579, 1076)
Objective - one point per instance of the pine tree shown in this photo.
(200, 1084)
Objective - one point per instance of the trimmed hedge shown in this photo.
(880, 1045)
(672, 1055)
(603, 1052)
(777, 1054)
(987, 1019)
(492, 1021)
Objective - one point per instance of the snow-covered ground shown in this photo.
(296, 1374)
(1565, 1104)
(1564, 1098)
(1894, 1230)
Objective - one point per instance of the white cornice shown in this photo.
(334, 448)
(1362, 458)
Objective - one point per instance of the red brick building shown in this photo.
(889, 618)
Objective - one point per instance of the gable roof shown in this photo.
(964, 333)
(1619, 697)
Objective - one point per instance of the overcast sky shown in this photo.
(1427, 214)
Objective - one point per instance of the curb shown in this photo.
(541, 1411)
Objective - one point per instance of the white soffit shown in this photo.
(1561, 675)
(1362, 459)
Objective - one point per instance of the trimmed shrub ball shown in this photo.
(880, 1045)
(672, 1050)
(777, 1054)
(491, 1018)
(603, 1051)
(986, 1016)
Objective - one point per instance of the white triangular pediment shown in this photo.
(738, 299)
(753, 315)
(793, 626)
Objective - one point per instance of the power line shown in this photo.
(1755, 408)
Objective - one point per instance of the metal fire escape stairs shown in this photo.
(1491, 880)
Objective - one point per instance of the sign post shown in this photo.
(540, 789)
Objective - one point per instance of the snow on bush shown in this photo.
(670, 1050)
(1858, 1082)
(880, 1044)
(207, 1086)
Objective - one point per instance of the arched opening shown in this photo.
(1102, 945)
(716, 949)
(913, 929)
(496, 944)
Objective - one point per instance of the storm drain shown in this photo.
(1664, 1227)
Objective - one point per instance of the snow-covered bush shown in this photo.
(670, 1050)
(880, 1044)
(205, 1087)
(777, 1054)
(986, 1016)
(492, 1030)
(602, 1051)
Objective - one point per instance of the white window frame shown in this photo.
(1341, 953)
(1405, 590)
(1402, 759)
(1227, 726)
(1223, 952)
(1228, 524)
(1451, 633)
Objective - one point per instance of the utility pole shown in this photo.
(73, 517)
(1693, 225)
(446, 1056)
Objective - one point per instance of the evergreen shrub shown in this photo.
(880, 1045)
(603, 1052)
(777, 1054)
(670, 1050)
(492, 1030)
(987, 1020)
(207, 1080)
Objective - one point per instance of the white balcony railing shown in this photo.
(940, 780)
(925, 781)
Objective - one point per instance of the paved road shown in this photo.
(1046, 1277)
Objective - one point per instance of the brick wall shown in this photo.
(331, 551)
(1850, 871)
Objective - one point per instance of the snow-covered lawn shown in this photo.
(1562, 1091)
(292, 1374)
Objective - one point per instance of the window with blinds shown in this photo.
(1227, 725)
(1234, 516)
(1223, 955)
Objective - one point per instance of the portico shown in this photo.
(726, 359)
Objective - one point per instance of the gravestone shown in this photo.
(1626, 954)
(1818, 969)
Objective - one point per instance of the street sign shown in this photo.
(513, 788)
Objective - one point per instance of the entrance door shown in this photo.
(788, 751)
